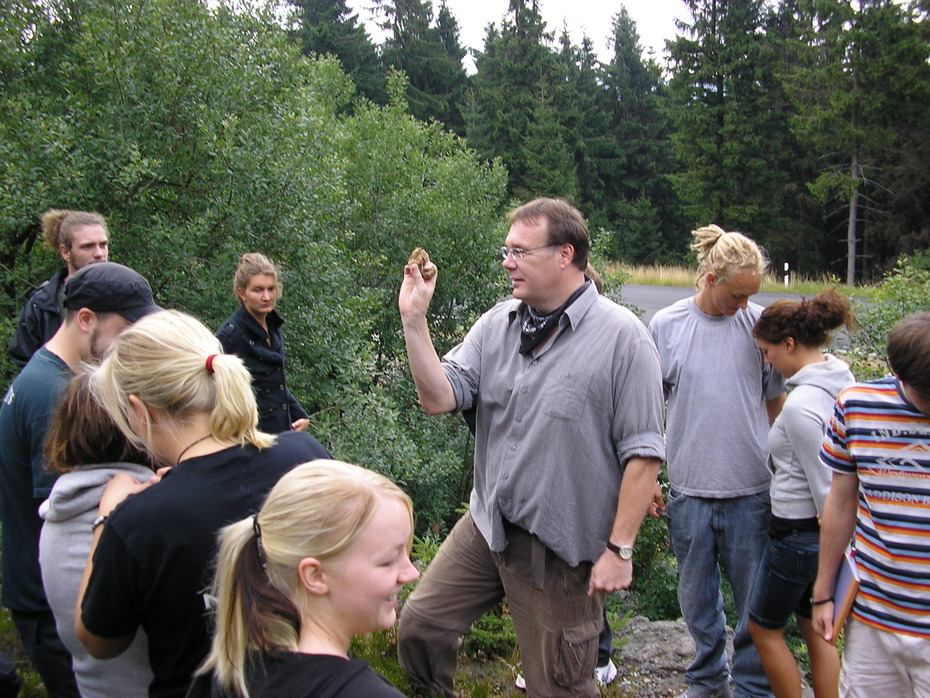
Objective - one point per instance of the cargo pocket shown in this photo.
(577, 653)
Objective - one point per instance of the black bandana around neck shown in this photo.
(536, 327)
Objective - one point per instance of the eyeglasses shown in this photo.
(520, 253)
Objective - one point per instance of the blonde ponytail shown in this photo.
(726, 254)
(162, 360)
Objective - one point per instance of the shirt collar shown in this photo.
(573, 314)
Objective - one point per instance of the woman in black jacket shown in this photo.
(253, 333)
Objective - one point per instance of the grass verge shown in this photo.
(654, 275)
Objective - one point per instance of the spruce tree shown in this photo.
(730, 120)
(635, 196)
(513, 113)
(327, 27)
(429, 55)
(862, 93)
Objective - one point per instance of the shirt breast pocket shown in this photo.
(568, 394)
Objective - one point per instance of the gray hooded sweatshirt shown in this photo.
(63, 547)
(800, 483)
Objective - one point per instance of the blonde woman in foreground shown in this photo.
(322, 562)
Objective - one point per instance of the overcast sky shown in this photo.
(655, 20)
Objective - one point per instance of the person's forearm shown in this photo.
(97, 647)
(773, 407)
(836, 530)
(637, 491)
(610, 572)
(120, 487)
(433, 387)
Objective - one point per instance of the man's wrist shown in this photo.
(624, 552)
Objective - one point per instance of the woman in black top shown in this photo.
(322, 562)
(170, 390)
(253, 333)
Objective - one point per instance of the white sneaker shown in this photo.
(605, 674)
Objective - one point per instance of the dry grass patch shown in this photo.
(656, 275)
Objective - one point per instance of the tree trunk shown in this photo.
(851, 226)
(854, 196)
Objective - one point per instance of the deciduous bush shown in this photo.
(904, 290)
(201, 133)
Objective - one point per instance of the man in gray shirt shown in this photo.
(567, 448)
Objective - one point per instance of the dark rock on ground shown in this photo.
(652, 657)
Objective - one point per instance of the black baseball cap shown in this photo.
(108, 287)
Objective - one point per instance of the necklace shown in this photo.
(190, 446)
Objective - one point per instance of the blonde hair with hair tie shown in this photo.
(161, 359)
(726, 254)
(317, 510)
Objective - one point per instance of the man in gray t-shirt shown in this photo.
(721, 400)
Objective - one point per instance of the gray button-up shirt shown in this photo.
(556, 428)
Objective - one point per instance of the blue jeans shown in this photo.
(705, 535)
(39, 638)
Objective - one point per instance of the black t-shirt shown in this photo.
(294, 675)
(155, 557)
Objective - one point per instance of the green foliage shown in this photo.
(430, 56)
(904, 290)
(654, 592)
(626, 182)
(203, 133)
(514, 114)
(655, 576)
(730, 125)
(617, 618)
(492, 636)
(431, 459)
(9, 644)
(860, 92)
(565, 125)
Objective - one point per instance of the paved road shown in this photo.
(653, 298)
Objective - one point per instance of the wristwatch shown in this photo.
(624, 552)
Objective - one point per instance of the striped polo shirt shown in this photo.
(876, 434)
